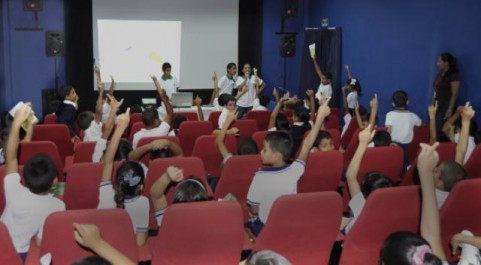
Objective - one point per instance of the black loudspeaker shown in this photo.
(289, 8)
(288, 45)
(32, 5)
(54, 43)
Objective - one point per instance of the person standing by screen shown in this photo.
(446, 86)
(168, 81)
(254, 86)
(226, 83)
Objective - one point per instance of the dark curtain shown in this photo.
(328, 55)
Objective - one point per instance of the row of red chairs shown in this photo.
(301, 227)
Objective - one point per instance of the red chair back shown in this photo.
(472, 166)
(134, 129)
(259, 137)
(9, 255)
(421, 135)
(206, 149)
(322, 173)
(57, 133)
(210, 232)
(461, 211)
(261, 116)
(381, 216)
(189, 115)
(29, 149)
(304, 235)
(50, 119)
(336, 111)
(83, 152)
(147, 140)
(246, 128)
(332, 122)
(82, 186)
(58, 237)
(214, 118)
(387, 160)
(349, 133)
(336, 137)
(189, 131)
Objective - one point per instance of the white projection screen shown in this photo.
(132, 39)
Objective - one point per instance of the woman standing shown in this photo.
(446, 86)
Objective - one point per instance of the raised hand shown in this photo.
(22, 114)
(123, 119)
(467, 113)
(428, 158)
(87, 235)
(374, 102)
(159, 144)
(175, 174)
(346, 67)
(324, 109)
(365, 136)
(214, 77)
(114, 104)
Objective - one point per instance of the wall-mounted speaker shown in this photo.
(288, 46)
(289, 8)
(32, 5)
(54, 43)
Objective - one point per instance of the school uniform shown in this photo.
(170, 84)
(67, 114)
(94, 132)
(226, 84)
(162, 130)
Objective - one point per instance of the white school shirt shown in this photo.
(271, 183)
(25, 212)
(162, 130)
(402, 124)
(352, 99)
(247, 100)
(257, 105)
(138, 207)
(471, 146)
(324, 90)
(226, 85)
(93, 132)
(105, 112)
(441, 197)
(170, 85)
(347, 120)
(222, 117)
(356, 204)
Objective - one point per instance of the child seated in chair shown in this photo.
(67, 111)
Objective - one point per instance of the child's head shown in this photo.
(301, 114)
(67, 93)
(354, 85)
(473, 127)
(247, 146)
(230, 102)
(84, 119)
(40, 173)
(178, 119)
(92, 260)
(326, 78)
(324, 141)
(221, 99)
(267, 257)
(136, 108)
(125, 147)
(166, 68)
(150, 118)
(190, 189)
(264, 100)
(373, 181)
(282, 123)
(400, 99)
(404, 248)
(231, 69)
(382, 138)
(246, 69)
(160, 153)
(447, 174)
(129, 182)
(277, 148)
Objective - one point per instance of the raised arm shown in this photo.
(122, 124)
(365, 136)
(29, 129)
(198, 104)
(430, 224)
(215, 92)
(88, 235)
(454, 96)
(374, 106)
(100, 101)
(11, 162)
(259, 87)
(159, 187)
(345, 106)
(277, 109)
(316, 66)
(137, 153)
(109, 124)
(241, 90)
(466, 239)
(219, 141)
(312, 104)
(432, 109)
(112, 86)
(348, 71)
(322, 113)
(358, 116)
(461, 148)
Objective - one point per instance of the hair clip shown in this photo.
(131, 179)
(419, 253)
(353, 82)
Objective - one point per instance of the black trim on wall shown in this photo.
(79, 50)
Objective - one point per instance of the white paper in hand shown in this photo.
(312, 50)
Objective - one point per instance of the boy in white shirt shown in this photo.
(400, 123)
(227, 82)
(168, 81)
(254, 85)
(27, 206)
(325, 88)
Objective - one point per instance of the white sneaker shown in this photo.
(469, 253)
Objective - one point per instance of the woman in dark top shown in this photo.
(446, 86)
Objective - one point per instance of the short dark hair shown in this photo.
(64, 91)
(93, 260)
(328, 75)
(355, 84)
(400, 98)
(451, 174)
(190, 189)
(228, 98)
(247, 146)
(280, 142)
(125, 147)
(149, 116)
(160, 153)
(382, 138)
(282, 123)
(373, 181)
(221, 99)
(39, 172)
(320, 136)
(264, 100)
(267, 257)
(178, 119)
(84, 119)
(230, 65)
(398, 249)
(136, 108)
(166, 66)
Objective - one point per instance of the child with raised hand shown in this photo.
(325, 88)
(27, 206)
(125, 192)
(158, 149)
(351, 92)
(281, 178)
(275, 122)
(106, 108)
(91, 123)
(371, 182)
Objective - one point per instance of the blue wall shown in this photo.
(25, 68)
(394, 45)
